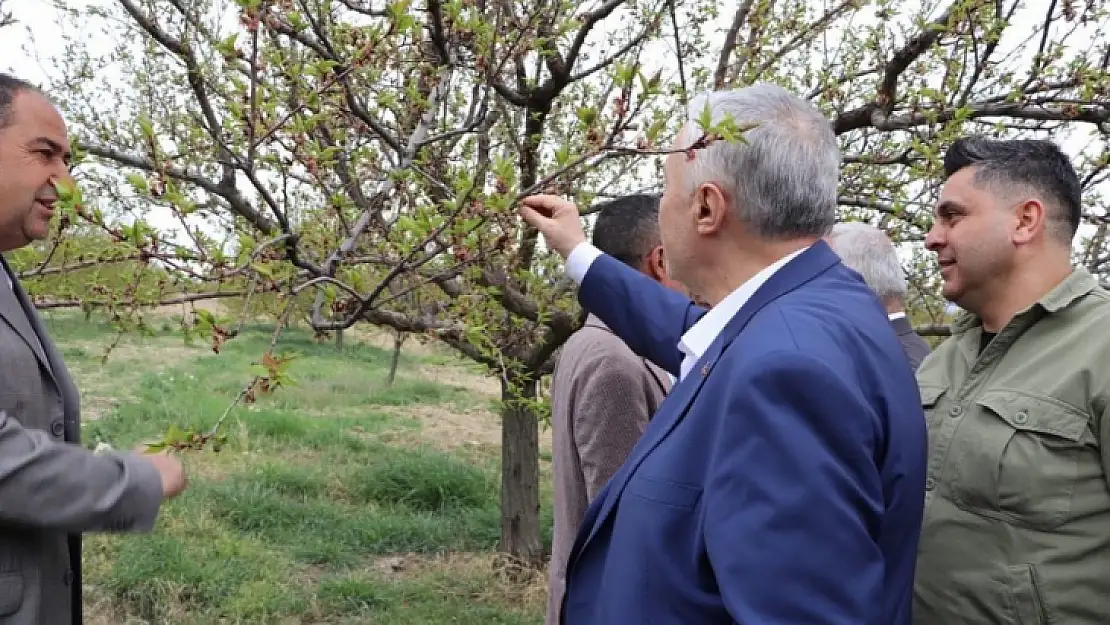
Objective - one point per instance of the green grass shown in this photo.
(328, 505)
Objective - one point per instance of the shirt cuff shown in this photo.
(579, 260)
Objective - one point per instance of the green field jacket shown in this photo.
(1017, 505)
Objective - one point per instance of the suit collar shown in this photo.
(698, 338)
(16, 310)
(661, 377)
(813, 261)
(901, 326)
(804, 267)
(593, 321)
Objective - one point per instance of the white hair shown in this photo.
(783, 183)
(867, 250)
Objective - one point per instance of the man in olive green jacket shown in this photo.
(1017, 505)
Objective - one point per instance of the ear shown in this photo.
(712, 208)
(1031, 219)
(656, 261)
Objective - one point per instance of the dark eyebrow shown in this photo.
(55, 147)
(948, 205)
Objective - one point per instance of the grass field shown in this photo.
(339, 500)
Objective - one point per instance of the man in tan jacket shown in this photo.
(602, 394)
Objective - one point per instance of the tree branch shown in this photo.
(221, 189)
(870, 116)
(933, 330)
(729, 45)
(914, 48)
(6, 18)
(589, 20)
(44, 304)
(416, 139)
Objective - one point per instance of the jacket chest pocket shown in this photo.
(930, 402)
(1017, 458)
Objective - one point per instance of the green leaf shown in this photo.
(562, 155)
(174, 435)
(226, 46)
(138, 181)
(147, 127)
(705, 117)
(205, 316)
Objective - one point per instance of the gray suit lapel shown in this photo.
(14, 310)
(48, 355)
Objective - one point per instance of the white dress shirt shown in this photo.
(701, 335)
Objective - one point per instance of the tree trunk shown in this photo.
(398, 341)
(339, 339)
(520, 475)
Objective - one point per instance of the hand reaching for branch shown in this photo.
(173, 474)
(557, 219)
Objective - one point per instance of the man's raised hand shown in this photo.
(556, 218)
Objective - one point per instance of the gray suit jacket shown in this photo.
(915, 347)
(51, 488)
(602, 396)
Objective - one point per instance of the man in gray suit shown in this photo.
(602, 394)
(867, 250)
(51, 488)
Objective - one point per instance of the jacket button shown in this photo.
(57, 428)
(67, 579)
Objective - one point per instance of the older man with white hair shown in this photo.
(867, 250)
(782, 480)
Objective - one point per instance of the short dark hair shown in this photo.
(10, 86)
(1032, 163)
(627, 228)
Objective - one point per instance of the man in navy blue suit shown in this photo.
(782, 480)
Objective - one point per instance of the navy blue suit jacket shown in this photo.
(780, 482)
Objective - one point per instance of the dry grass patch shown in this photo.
(457, 376)
(449, 429)
(505, 582)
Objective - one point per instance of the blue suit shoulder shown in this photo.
(835, 318)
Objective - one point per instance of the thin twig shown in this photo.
(246, 307)
(282, 322)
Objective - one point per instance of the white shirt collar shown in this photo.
(897, 315)
(701, 335)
